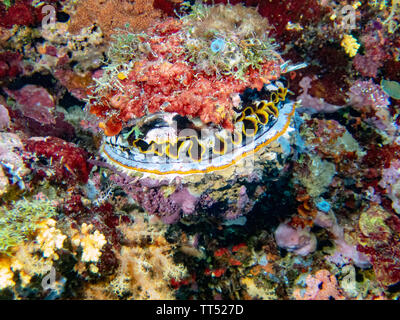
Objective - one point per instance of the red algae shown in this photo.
(171, 83)
(68, 160)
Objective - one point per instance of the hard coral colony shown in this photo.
(161, 149)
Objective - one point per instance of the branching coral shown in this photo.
(146, 264)
(350, 45)
(21, 270)
(91, 243)
(49, 238)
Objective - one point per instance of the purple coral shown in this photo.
(185, 200)
(368, 98)
(299, 241)
(369, 63)
(367, 94)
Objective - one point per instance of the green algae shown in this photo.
(22, 220)
(391, 88)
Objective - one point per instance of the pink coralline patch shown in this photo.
(185, 200)
(148, 194)
(167, 82)
(367, 94)
(366, 66)
(35, 102)
(299, 241)
(345, 253)
(321, 286)
(369, 63)
(242, 206)
(68, 161)
(4, 116)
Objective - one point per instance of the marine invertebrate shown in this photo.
(217, 45)
(169, 144)
(161, 71)
(91, 242)
(369, 98)
(350, 45)
(321, 286)
(300, 241)
(146, 264)
(379, 241)
(151, 101)
(49, 238)
(68, 161)
(21, 221)
(324, 206)
(226, 39)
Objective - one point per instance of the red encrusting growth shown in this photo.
(22, 13)
(165, 81)
(67, 160)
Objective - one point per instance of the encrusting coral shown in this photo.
(138, 15)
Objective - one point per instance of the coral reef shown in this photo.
(151, 79)
(200, 150)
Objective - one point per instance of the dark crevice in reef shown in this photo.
(273, 207)
(68, 101)
(62, 16)
(277, 204)
(43, 80)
